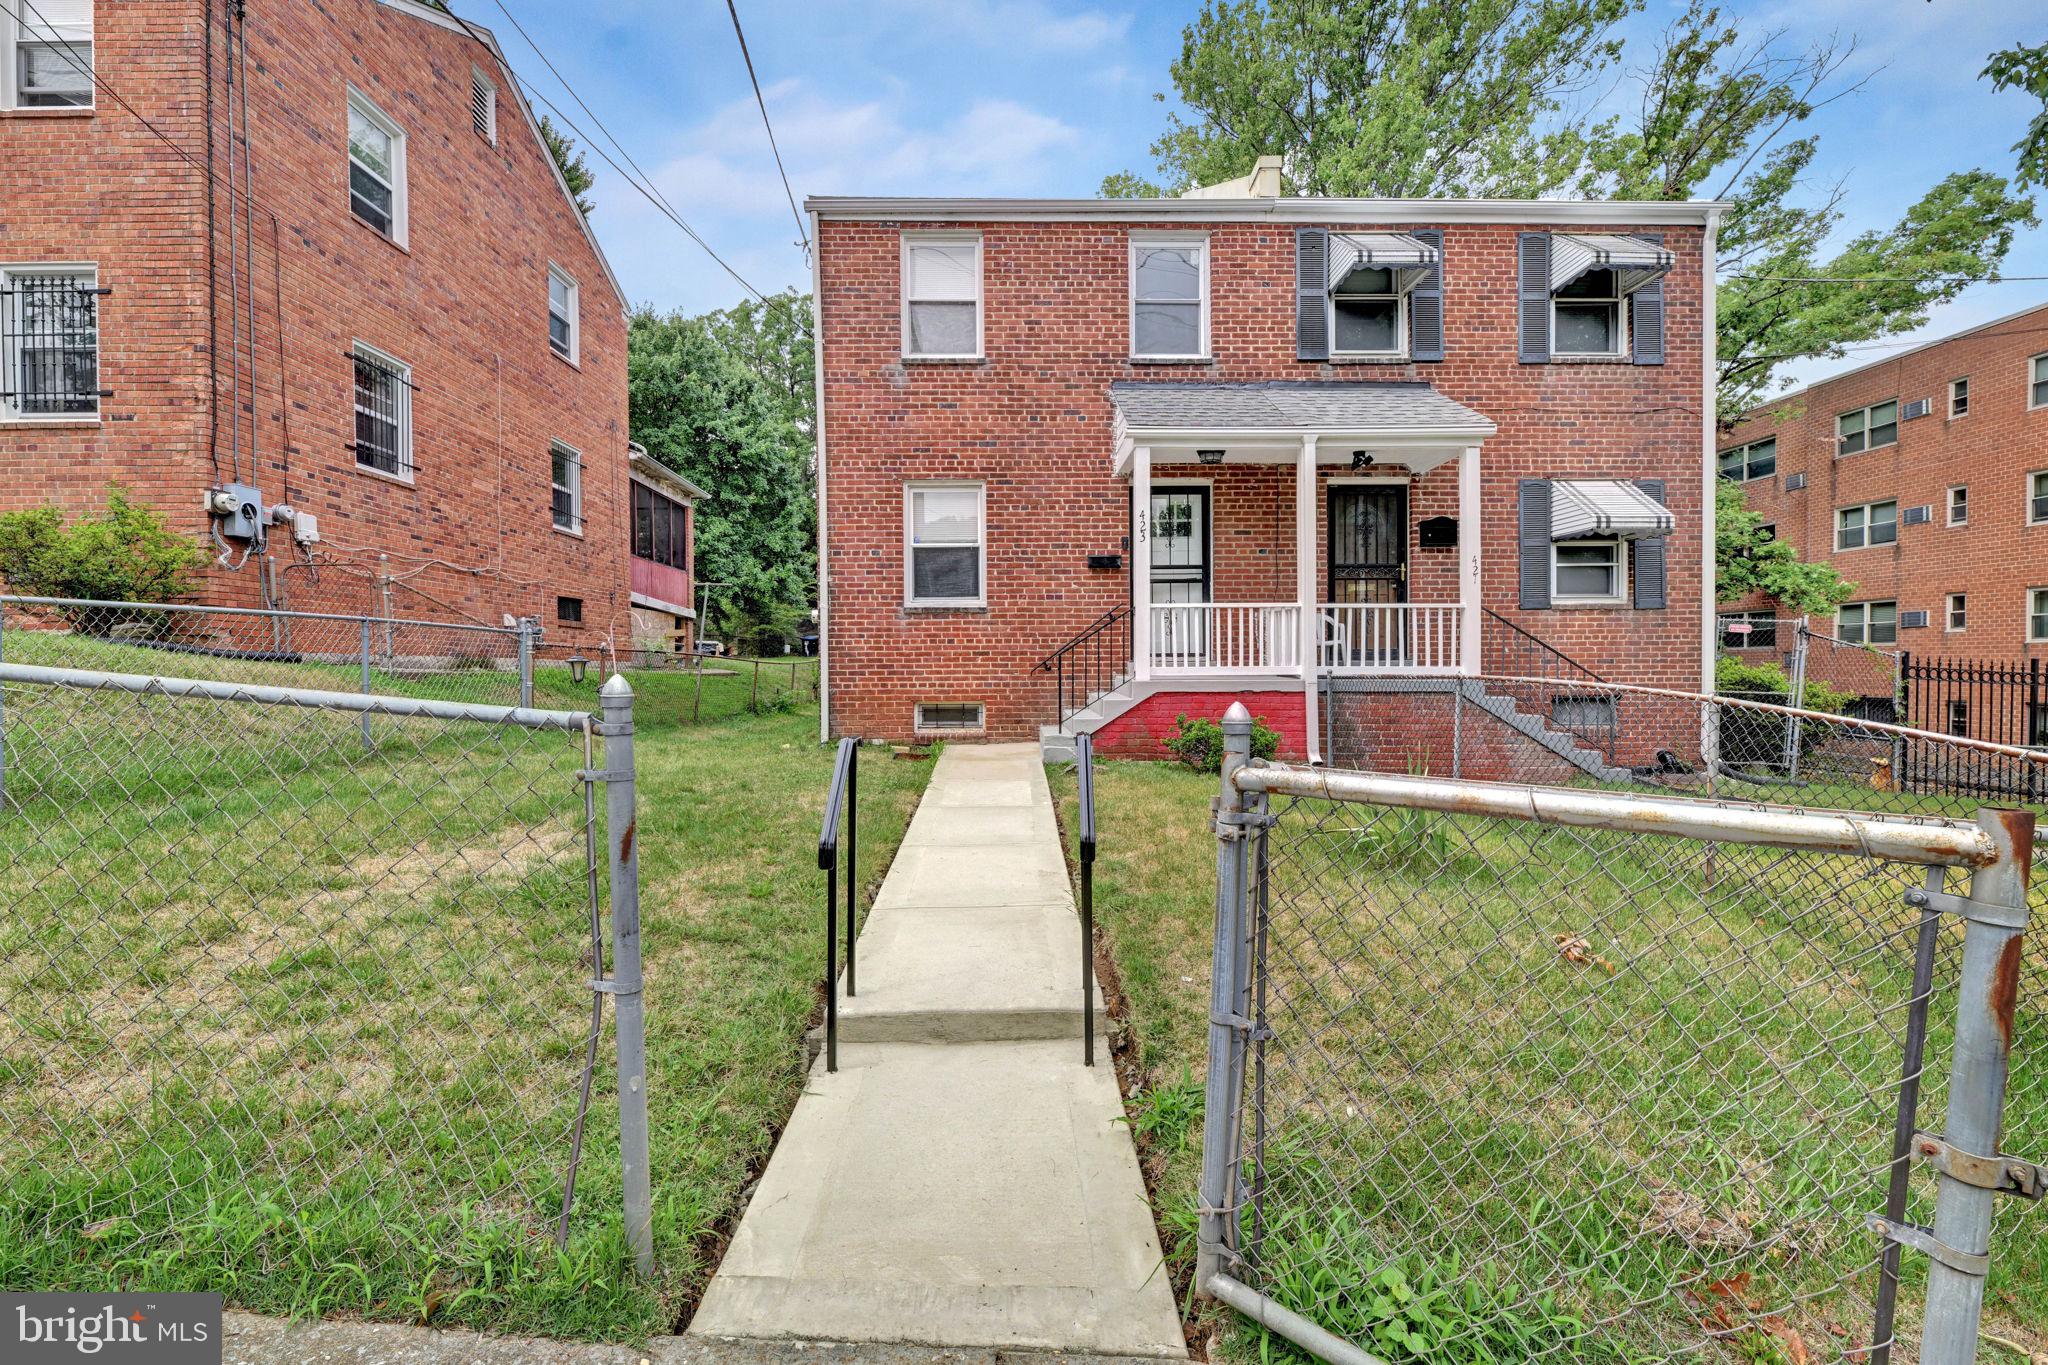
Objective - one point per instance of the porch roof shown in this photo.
(1369, 408)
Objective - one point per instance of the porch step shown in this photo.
(1589, 761)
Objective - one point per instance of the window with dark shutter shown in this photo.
(1533, 509)
(1311, 294)
(1426, 304)
(1532, 290)
(1651, 594)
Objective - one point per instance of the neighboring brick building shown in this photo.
(997, 377)
(334, 264)
(1923, 478)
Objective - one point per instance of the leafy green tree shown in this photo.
(1747, 561)
(576, 172)
(127, 553)
(2026, 68)
(773, 339)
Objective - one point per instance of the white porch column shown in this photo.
(1305, 587)
(1468, 561)
(1141, 563)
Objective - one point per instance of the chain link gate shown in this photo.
(1507, 1072)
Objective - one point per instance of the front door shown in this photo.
(1368, 565)
(1180, 572)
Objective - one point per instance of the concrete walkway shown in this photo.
(962, 1180)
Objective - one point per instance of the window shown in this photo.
(1586, 571)
(2037, 614)
(376, 168)
(1958, 612)
(660, 528)
(942, 296)
(1587, 316)
(2037, 497)
(1749, 630)
(949, 715)
(1959, 506)
(1868, 623)
(483, 106)
(49, 343)
(1958, 397)
(1368, 313)
(1169, 298)
(2037, 382)
(565, 329)
(1582, 713)
(383, 413)
(1867, 428)
(1959, 717)
(1874, 523)
(47, 50)
(569, 610)
(1757, 460)
(567, 476)
(1767, 531)
(945, 552)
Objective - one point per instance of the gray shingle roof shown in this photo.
(1301, 405)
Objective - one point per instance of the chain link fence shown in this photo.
(1544, 1036)
(291, 999)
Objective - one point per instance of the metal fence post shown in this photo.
(629, 1009)
(1988, 991)
(367, 741)
(526, 661)
(3, 711)
(1217, 1238)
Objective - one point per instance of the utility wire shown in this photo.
(1884, 279)
(803, 233)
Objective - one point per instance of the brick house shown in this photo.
(305, 277)
(1923, 479)
(1324, 447)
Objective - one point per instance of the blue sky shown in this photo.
(1045, 97)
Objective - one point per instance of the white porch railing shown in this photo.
(1226, 637)
(1390, 637)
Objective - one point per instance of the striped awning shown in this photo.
(1634, 261)
(1605, 507)
(1378, 250)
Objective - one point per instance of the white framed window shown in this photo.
(49, 343)
(483, 105)
(1757, 460)
(1872, 523)
(46, 55)
(942, 296)
(1958, 397)
(1588, 571)
(2037, 615)
(1589, 316)
(938, 717)
(2037, 382)
(1958, 505)
(1369, 313)
(565, 315)
(945, 546)
(1749, 630)
(566, 477)
(384, 390)
(376, 167)
(1958, 613)
(2037, 497)
(1867, 428)
(1868, 623)
(1169, 296)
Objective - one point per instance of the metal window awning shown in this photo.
(1605, 507)
(1634, 261)
(1379, 251)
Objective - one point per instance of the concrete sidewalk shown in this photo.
(962, 1181)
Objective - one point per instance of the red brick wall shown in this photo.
(1141, 731)
(465, 304)
(1034, 421)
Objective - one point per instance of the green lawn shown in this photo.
(1487, 1145)
(304, 1022)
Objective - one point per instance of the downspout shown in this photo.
(818, 454)
(1709, 476)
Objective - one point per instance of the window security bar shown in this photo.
(49, 345)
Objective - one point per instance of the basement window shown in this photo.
(941, 717)
(1582, 713)
(569, 610)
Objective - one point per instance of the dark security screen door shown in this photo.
(1369, 543)
(1180, 545)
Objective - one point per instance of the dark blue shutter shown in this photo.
(1312, 293)
(1532, 291)
(1426, 304)
(1650, 559)
(1646, 318)
(1533, 505)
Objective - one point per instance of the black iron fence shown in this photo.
(2005, 703)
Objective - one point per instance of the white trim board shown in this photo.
(1623, 213)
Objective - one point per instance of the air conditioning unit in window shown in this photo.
(1917, 516)
(1912, 620)
(1794, 482)
(1919, 407)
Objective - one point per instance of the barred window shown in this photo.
(659, 528)
(383, 413)
(567, 475)
(49, 343)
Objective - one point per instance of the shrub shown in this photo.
(127, 553)
(1758, 737)
(1199, 743)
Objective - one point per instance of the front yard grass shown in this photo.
(304, 1024)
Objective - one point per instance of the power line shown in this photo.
(803, 233)
(1885, 279)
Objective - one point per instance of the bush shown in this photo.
(127, 553)
(1199, 743)
(1758, 737)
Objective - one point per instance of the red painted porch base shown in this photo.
(1141, 731)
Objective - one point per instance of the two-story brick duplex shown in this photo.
(317, 251)
(1308, 439)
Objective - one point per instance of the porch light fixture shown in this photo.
(1361, 458)
(577, 666)
(1209, 456)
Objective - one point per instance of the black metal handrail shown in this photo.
(1512, 651)
(1087, 666)
(844, 795)
(1084, 761)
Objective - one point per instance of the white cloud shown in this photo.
(1014, 24)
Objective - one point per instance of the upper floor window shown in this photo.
(1868, 623)
(1959, 505)
(1588, 316)
(1169, 297)
(2037, 382)
(567, 476)
(564, 315)
(660, 528)
(1958, 612)
(1757, 460)
(942, 296)
(1867, 428)
(945, 550)
(2037, 497)
(383, 413)
(1368, 295)
(1958, 397)
(483, 106)
(1592, 296)
(376, 167)
(1873, 523)
(47, 47)
(49, 342)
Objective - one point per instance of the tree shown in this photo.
(1747, 561)
(773, 339)
(2026, 68)
(576, 173)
